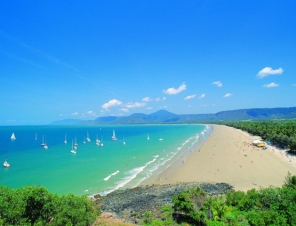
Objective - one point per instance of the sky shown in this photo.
(87, 59)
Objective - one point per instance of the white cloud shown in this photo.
(271, 85)
(159, 99)
(202, 96)
(269, 71)
(135, 105)
(90, 113)
(189, 97)
(111, 103)
(149, 108)
(75, 113)
(124, 110)
(146, 99)
(218, 83)
(227, 95)
(173, 91)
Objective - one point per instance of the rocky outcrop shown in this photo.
(130, 204)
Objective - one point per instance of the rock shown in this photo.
(132, 204)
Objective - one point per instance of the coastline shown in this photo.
(228, 156)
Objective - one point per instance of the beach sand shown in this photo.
(228, 156)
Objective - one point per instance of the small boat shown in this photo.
(45, 146)
(113, 136)
(161, 139)
(35, 136)
(148, 138)
(84, 140)
(123, 141)
(65, 141)
(73, 151)
(87, 137)
(6, 164)
(13, 137)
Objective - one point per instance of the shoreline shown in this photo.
(174, 166)
(228, 156)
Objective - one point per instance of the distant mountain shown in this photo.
(164, 116)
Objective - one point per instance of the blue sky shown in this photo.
(85, 59)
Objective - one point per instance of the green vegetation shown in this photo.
(270, 206)
(280, 132)
(37, 206)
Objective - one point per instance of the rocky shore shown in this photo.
(130, 204)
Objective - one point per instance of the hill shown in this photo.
(163, 116)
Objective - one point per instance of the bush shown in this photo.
(36, 206)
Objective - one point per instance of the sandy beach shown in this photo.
(228, 156)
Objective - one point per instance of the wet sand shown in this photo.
(229, 156)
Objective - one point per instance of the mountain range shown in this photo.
(163, 116)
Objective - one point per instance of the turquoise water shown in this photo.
(94, 168)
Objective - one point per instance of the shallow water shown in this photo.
(94, 168)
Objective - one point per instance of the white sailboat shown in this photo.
(98, 141)
(87, 137)
(113, 136)
(73, 151)
(148, 138)
(84, 140)
(35, 136)
(6, 164)
(65, 141)
(123, 141)
(75, 144)
(43, 144)
(13, 137)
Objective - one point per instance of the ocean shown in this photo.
(140, 152)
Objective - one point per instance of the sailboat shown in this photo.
(113, 136)
(87, 137)
(123, 141)
(73, 151)
(13, 137)
(148, 138)
(84, 140)
(35, 136)
(65, 141)
(6, 164)
(98, 141)
(43, 144)
(75, 144)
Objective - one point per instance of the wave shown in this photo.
(132, 174)
(113, 174)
